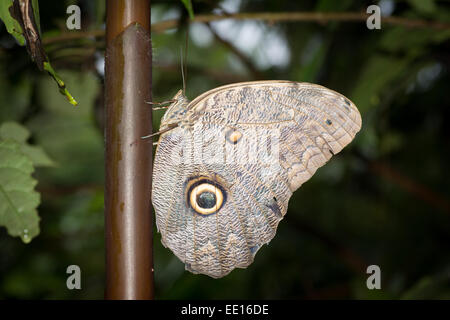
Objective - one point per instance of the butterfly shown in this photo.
(227, 163)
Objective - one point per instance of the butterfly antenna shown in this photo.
(182, 71)
(185, 57)
(170, 127)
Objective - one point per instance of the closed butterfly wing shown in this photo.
(224, 176)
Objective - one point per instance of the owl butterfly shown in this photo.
(228, 162)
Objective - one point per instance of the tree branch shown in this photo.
(420, 191)
(351, 258)
(319, 17)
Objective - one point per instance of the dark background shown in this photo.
(383, 200)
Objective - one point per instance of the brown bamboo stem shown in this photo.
(128, 159)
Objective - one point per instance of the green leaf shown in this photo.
(376, 78)
(12, 25)
(36, 14)
(12, 131)
(18, 199)
(423, 6)
(37, 155)
(416, 40)
(188, 5)
(100, 9)
(15, 95)
(434, 286)
(315, 61)
(327, 5)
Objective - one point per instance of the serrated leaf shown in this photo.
(18, 199)
(12, 25)
(12, 131)
(37, 155)
(188, 6)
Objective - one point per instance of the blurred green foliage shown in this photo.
(383, 200)
(21, 25)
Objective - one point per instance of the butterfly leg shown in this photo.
(160, 104)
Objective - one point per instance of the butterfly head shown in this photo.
(176, 111)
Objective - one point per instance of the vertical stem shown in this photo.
(128, 159)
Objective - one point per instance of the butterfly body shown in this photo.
(224, 172)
